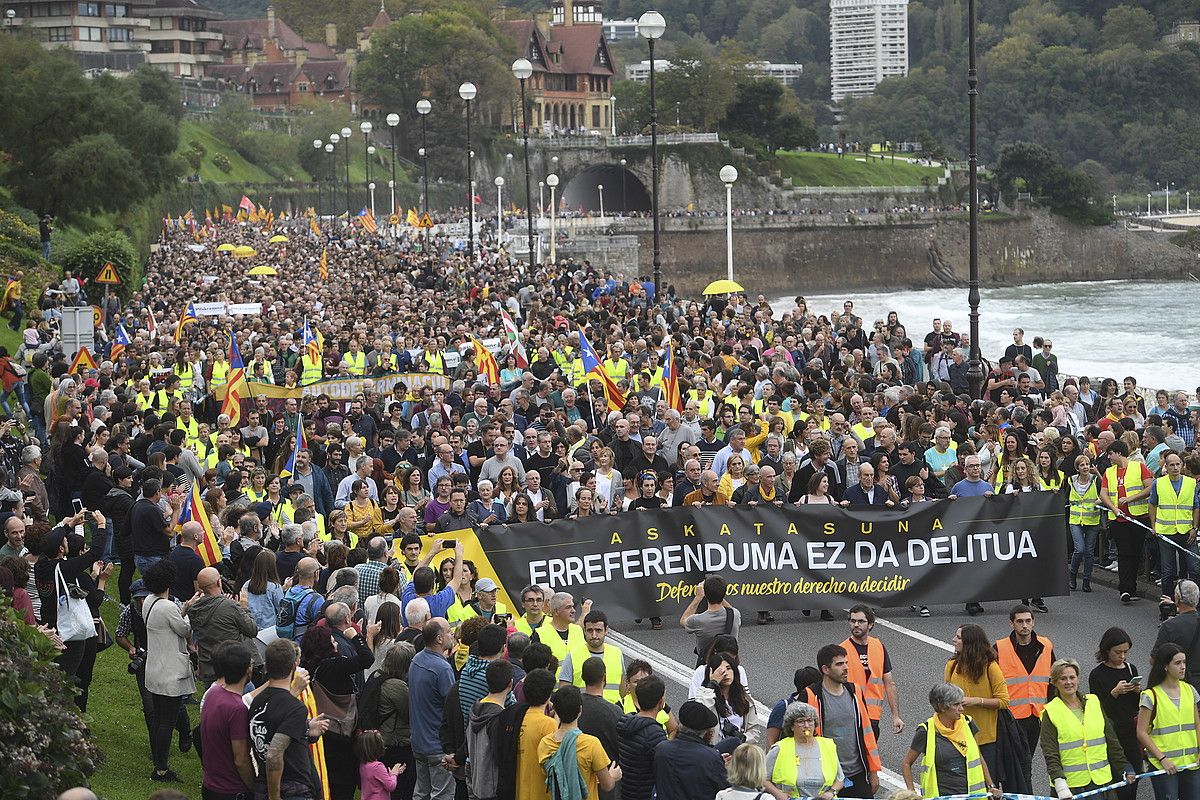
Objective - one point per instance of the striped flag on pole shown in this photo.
(515, 346)
(193, 511)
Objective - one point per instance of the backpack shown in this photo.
(368, 702)
(287, 624)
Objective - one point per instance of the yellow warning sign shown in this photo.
(83, 360)
(109, 275)
(426, 222)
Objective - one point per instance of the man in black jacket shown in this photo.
(687, 766)
(637, 737)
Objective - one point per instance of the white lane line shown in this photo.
(920, 637)
(680, 673)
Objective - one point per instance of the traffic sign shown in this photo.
(97, 316)
(109, 275)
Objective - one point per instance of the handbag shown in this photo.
(75, 622)
(340, 709)
(104, 639)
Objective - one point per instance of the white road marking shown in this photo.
(673, 670)
(920, 637)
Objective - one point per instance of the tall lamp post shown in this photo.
(651, 26)
(729, 176)
(612, 115)
(329, 148)
(523, 70)
(600, 189)
(1148, 197)
(624, 199)
(423, 108)
(346, 136)
(365, 127)
(317, 145)
(393, 120)
(467, 92)
(499, 209)
(552, 182)
(975, 365)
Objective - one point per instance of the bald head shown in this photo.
(209, 581)
(78, 793)
(192, 532)
(306, 571)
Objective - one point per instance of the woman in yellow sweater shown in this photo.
(974, 669)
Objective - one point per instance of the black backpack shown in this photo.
(368, 702)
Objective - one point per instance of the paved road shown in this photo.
(919, 648)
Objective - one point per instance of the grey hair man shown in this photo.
(1182, 628)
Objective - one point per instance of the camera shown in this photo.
(138, 662)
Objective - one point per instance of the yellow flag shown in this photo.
(413, 219)
(325, 263)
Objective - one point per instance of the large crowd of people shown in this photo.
(334, 658)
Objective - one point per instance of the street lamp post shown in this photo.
(346, 136)
(522, 69)
(329, 148)
(975, 364)
(368, 150)
(393, 120)
(729, 175)
(651, 26)
(1114, 205)
(499, 209)
(1188, 195)
(317, 145)
(1148, 196)
(467, 92)
(371, 189)
(624, 198)
(612, 114)
(552, 182)
(600, 188)
(423, 108)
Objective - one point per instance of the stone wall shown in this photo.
(1030, 249)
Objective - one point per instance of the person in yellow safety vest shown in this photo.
(435, 362)
(1078, 740)
(1125, 488)
(167, 395)
(649, 702)
(188, 423)
(705, 398)
(222, 428)
(823, 777)
(144, 399)
(485, 605)
(1174, 515)
(1168, 724)
(953, 763)
(1083, 519)
(256, 492)
(182, 368)
(595, 629)
(616, 365)
(1025, 659)
(563, 634)
(534, 621)
(218, 372)
(355, 360)
(870, 669)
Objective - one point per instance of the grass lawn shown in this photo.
(826, 169)
(242, 171)
(115, 713)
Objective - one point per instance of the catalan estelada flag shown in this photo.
(485, 362)
(367, 220)
(235, 387)
(193, 511)
(317, 748)
(186, 318)
(592, 366)
(299, 445)
(324, 263)
(120, 342)
(670, 379)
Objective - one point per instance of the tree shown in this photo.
(701, 85)
(1128, 25)
(1071, 193)
(155, 88)
(430, 55)
(761, 111)
(87, 256)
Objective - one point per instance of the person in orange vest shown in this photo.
(1025, 659)
(870, 667)
(842, 716)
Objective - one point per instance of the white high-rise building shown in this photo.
(868, 41)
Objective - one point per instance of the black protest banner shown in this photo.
(647, 563)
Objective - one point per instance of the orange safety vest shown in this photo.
(1027, 692)
(866, 735)
(873, 693)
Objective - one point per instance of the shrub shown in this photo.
(88, 256)
(47, 746)
(221, 161)
(18, 231)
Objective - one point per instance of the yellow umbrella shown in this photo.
(244, 251)
(277, 238)
(263, 270)
(722, 287)
(225, 248)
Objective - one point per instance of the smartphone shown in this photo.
(77, 504)
(448, 545)
(1136, 679)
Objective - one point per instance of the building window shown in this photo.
(192, 24)
(198, 48)
(185, 46)
(58, 34)
(88, 9)
(303, 87)
(120, 34)
(162, 46)
(595, 116)
(90, 35)
(58, 9)
(116, 10)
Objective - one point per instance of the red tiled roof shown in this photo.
(313, 72)
(249, 34)
(577, 44)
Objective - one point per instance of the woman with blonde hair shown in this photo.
(747, 772)
(1081, 749)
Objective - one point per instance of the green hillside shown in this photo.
(826, 169)
(241, 170)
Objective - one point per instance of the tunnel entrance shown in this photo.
(623, 191)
